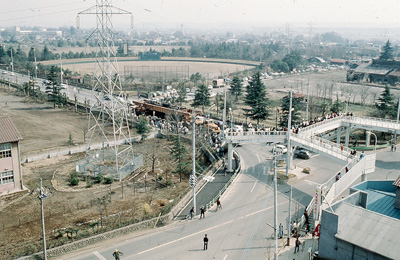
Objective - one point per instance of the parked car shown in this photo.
(304, 154)
(279, 148)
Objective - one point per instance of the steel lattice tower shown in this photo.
(108, 140)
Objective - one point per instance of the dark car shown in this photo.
(302, 154)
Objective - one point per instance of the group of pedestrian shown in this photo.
(393, 148)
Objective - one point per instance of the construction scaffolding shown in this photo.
(109, 147)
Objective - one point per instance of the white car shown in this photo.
(279, 148)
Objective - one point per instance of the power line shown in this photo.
(39, 15)
(38, 8)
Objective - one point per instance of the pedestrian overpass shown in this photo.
(308, 137)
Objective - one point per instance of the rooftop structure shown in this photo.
(365, 225)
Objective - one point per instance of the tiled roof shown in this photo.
(397, 182)
(8, 131)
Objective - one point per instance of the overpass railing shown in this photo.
(319, 124)
(373, 121)
(254, 134)
(324, 146)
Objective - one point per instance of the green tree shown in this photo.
(179, 153)
(385, 104)
(181, 91)
(337, 106)
(280, 66)
(285, 110)
(143, 128)
(196, 77)
(293, 60)
(202, 97)
(256, 98)
(387, 52)
(236, 88)
(31, 54)
(54, 90)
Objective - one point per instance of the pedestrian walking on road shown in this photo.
(202, 211)
(280, 230)
(219, 204)
(191, 212)
(117, 254)
(297, 245)
(205, 240)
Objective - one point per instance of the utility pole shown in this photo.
(289, 218)
(307, 99)
(224, 112)
(289, 128)
(193, 178)
(397, 121)
(275, 207)
(43, 196)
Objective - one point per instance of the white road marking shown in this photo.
(258, 157)
(254, 186)
(226, 256)
(312, 183)
(204, 230)
(99, 256)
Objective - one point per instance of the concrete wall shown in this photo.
(327, 240)
(332, 248)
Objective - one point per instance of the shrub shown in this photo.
(99, 178)
(89, 184)
(306, 170)
(74, 181)
(108, 180)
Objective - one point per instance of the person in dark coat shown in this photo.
(117, 254)
(205, 240)
(297, 245)
(202, 212)
(306, 215)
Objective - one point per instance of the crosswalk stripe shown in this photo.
(99, 256)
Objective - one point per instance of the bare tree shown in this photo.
(364, 93)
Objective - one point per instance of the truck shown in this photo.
(218, 83)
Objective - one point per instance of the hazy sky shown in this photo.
(201, 13)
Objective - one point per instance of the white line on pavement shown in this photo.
(225, 257)
(254, 186)
(204, 230)
(312, 183)
(258, 157)
(99, 256)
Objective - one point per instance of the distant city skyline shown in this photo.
(232, 14)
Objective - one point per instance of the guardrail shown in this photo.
(212, 202)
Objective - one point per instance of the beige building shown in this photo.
(10, 166)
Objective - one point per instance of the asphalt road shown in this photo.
(240, 230)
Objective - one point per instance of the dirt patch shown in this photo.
(83, 210)
(41, 125)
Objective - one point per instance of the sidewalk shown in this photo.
(209, 191)
(308, 241)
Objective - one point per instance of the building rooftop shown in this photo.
(369, 230)
(397, 182)
(381, 196)
(8, 131)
